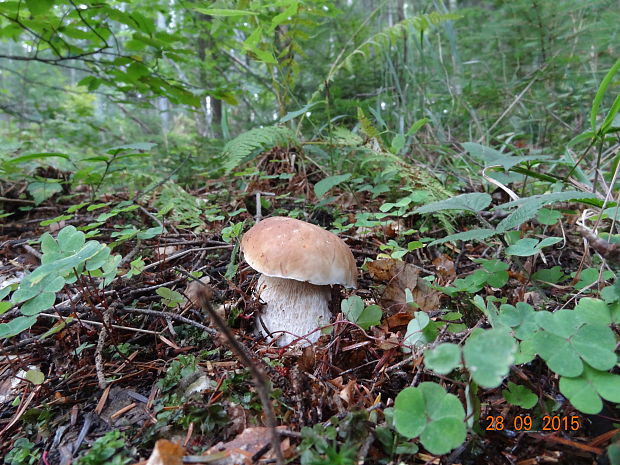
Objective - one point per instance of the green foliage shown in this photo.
(109, 449)
(250, 144)
(474, 202)
(356, 312)
(64, 260)
(337, 443)
(586, 390)
(431, 413)
(443, 359)
(23, 452)
(570, 338)
(488, 356)
(325, 184)
(519, 396)
(420, 331)
(493, 273)
(528, 246)
(176, 204)
(169, 297)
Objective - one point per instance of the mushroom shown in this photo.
(299, 262)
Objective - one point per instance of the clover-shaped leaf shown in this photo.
(415, 334)
(433, 414)
(356, 312)
(530, 246)
(39, 304)
(519, 396)
(443, 359)
(585, 391)
(566, 340)
(16, 326)
(594, 311)
(488, 356)
(68, 242)
(519, 318)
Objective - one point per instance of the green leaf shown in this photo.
(600, 93)
(134, 146)
(398, 142)
(36, 156)
(35, 376)
(590, 276)
(354, 310)
(443, 359)
(170, 298)
(302, 111)
(371, 316)
(519, 396)
(548, 217)
(595, 344)
(488, 355)
(39, 304)
(528, 207)
(471, 235)
(551, 275)
(324, 185)
(433, 414)
(16, 326)
(473, 202)
(415, 127)
(220, 12)
(42, 191)
(530, 246)
(492, 157)
(39, 7)
(585, 392)
(415, 335)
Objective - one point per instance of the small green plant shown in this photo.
(493, 273)
(110, 449)
(23, 452)
(337, 443)
(356, 312)
(65, 259)
(429, 412)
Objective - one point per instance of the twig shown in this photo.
(107, 313)
(260, 382)
(183, 253)
(98, 323)
(171, 316)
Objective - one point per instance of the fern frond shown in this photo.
(382, 40)
(386, 37)
(248, 145)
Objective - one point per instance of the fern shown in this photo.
(382, 40)
(385, 38)
(248, 145)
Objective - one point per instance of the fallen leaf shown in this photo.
(399, 319)
(166, 453)
(444, 267)
(401, 276)
(241, 449)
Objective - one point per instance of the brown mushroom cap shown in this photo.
(283, 247)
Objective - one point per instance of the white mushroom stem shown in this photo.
(294, 306)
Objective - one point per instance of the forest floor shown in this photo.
(136, 358)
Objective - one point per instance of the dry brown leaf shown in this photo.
(241, 449)
(399, 319)
(166, 453)
(401, 276)
(444, 267)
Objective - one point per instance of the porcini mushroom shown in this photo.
(298, 262)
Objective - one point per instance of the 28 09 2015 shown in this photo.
(525, 423)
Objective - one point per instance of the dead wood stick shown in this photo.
(171, 316)
(260, 380)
